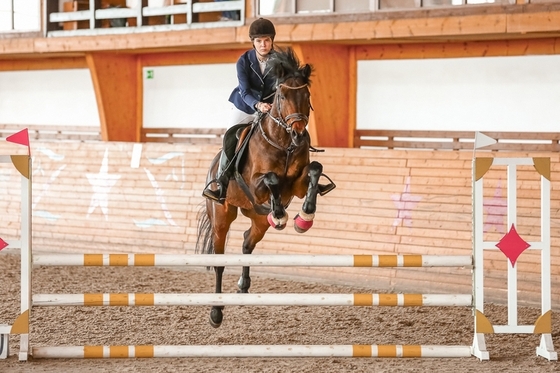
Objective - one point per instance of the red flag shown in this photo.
(3, 244)
(21, 137)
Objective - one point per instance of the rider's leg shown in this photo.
(225, 170)
(222, 180)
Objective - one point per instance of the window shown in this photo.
(318, 7)
(276, 7)
(286, 7)
(20, 15)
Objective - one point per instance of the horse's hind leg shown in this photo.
(304, 220)
(221, 221)
(252, 236)
(216, 314)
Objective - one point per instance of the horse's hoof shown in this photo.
(213, 324)
(301, 225)
(277, 224)
(216, 317)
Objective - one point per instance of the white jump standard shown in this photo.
(512, 245)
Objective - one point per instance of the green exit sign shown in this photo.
(149, 74)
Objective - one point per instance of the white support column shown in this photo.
(26, 260)
(479, 343)
(4, 340)
(512, 221)
(92, 14)
(546, 346)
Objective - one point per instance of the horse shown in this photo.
(273, 168)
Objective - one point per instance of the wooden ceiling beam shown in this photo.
(191, 58)
(22, 64)
(459, 49)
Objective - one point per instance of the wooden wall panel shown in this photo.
(88, 198)
(117, 83)
(329, 92)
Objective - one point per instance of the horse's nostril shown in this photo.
(295, 135)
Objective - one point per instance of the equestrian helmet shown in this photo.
(260, 28)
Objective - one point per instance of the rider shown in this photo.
(254, 94)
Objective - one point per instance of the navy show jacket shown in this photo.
(253, 86)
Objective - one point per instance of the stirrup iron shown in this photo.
(325, 188)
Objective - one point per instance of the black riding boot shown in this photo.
(222, 180)
(225, 168)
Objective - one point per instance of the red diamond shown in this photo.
(3, 244)
(512, 245)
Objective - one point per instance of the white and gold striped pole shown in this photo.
(362, 351)
(253, 260)
(234, 299)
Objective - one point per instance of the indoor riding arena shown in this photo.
(436, 251)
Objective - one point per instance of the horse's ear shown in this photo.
(307, 70)
(278, 71)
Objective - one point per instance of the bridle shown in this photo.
(290, 119)
(285, 122)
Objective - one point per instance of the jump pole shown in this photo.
(253, 260)
(227, 299)
(363, 351)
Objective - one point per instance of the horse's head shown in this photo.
(292, 102)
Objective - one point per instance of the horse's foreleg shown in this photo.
(278, 216)
(304, 220)
(244, 282)
(216, 314)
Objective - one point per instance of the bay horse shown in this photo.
(273, 168)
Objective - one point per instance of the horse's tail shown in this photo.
(204, 240)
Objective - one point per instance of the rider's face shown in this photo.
(263, 45)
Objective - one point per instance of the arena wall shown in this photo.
(95, 197)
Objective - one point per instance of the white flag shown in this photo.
(481, 140)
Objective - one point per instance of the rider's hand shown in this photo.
(263, 107)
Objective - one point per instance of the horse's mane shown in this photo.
(285, 64)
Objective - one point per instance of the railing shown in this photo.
(43, 132)
(183, 135)
(455, 140)
(195, 136)
(180, 15)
